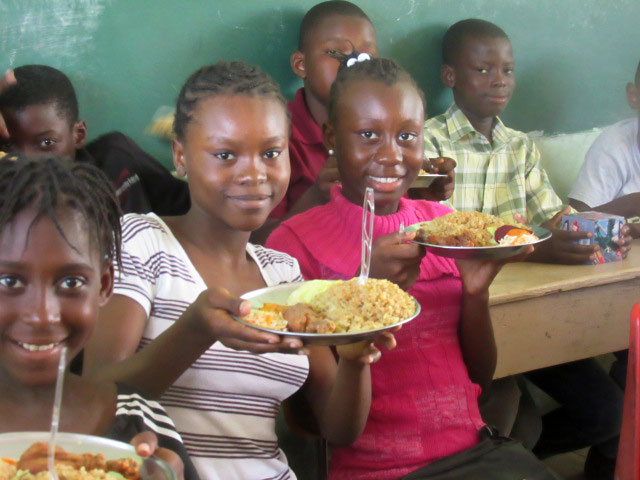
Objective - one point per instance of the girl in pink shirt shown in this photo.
(425, 392)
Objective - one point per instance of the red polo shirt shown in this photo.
(306, 152)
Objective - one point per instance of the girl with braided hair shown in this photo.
(168, 329)
(59, 237)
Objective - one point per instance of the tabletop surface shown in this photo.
(518, 281)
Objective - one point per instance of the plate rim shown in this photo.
(322, 336)
(546, 235)
(81, 440)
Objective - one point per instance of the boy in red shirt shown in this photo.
(330, 32)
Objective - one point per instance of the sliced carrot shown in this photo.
(8, 460)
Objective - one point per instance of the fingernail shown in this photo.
(303, 351)
(144, 449)
(273, 340)
(245, 306)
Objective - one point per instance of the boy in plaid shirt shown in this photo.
(498, 169)
(498, 172)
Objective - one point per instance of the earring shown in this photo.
(331, 152)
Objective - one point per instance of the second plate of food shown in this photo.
(108, 457)
(330, 312)
(466, 235)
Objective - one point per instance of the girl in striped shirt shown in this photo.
(168, 328)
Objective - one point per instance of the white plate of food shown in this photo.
(330, 312)
(424, 180)
(466, 235)
(86, 457)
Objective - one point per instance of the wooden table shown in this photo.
(550, 314)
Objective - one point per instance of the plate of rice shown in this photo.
(23, 456)
(476, 235)
(330, 312)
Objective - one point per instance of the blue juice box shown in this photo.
(605, 229)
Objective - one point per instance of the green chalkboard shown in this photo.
(127, 57)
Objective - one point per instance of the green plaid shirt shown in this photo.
(499, 178)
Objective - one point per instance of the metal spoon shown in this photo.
(368, 214)
(55, 415)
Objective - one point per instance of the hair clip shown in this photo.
(357, 57)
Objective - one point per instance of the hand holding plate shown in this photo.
(367, 352)
(146, 445)
(212, 313)
(477, 274)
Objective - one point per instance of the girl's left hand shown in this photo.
(367, 352)
(478, 274)
(146, 445)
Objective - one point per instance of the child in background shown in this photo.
(498, 168)
(168, 328)
(498, 173)
(39, 108)
(609, 180)
(329, 32)
(425, 393)
(59, 237)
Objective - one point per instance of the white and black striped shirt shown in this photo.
(135, 414)
(225, 404)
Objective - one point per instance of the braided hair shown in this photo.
(376, 69)
(52, 186)
(222, 78)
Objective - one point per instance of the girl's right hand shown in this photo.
(211, 313)
(396, 260)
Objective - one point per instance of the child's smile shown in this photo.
(48, 293)
(236, 158)
(482, 77)
(378, 140)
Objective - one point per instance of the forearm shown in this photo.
(476, 339)
(154, 368)
(626, 206)
(345, 413)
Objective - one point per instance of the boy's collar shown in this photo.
(459, 126)
(311, 132)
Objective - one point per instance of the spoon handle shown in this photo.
(55, 416)
(368, 214)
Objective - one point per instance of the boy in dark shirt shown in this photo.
(39, 110)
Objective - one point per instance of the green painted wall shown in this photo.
(127, 57)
